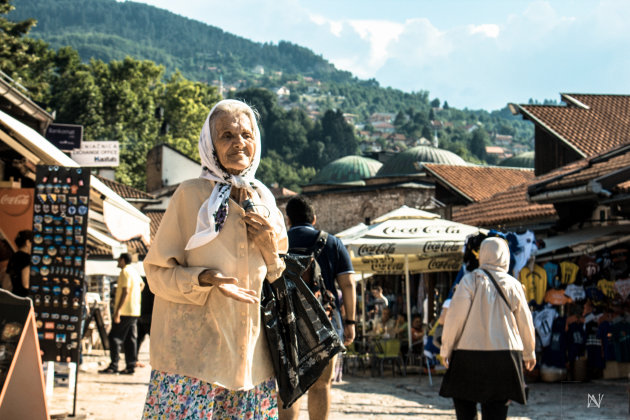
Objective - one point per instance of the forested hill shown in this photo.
(107, 30)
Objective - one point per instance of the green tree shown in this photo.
(478, 142)
(26, 60)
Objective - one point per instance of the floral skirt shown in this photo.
(173, 396)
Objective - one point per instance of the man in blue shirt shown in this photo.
(336, 266)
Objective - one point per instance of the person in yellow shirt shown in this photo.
(125, 318)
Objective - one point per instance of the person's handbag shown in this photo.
(301, 338)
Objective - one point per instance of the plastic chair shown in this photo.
(353, 359)
(389, 351)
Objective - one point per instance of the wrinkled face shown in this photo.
(234, 142)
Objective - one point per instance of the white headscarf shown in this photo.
(214, 211)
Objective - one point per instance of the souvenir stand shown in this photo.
(406, 241)
(579, 291)
(58, 263)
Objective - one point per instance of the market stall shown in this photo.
(406, 241)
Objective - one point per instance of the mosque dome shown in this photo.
(409, 162)
(524, 160)
(348, 169)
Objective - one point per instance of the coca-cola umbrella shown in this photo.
(407, 241)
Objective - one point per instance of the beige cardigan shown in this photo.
(196, 331)
(479, 319)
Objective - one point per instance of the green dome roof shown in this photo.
(408, 162)
(524, 160)
(347, 169)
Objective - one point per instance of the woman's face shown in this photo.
(234, 141)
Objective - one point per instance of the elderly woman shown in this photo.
(488, 334)
(206, 267)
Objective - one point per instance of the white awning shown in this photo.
(126, 223)
(108, 268)
(116, 246)
(583, 240)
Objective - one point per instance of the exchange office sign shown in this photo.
(97, 154)
(65, 137)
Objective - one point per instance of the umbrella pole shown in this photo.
(363, 307)
(408, 295)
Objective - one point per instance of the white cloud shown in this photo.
(489, 29)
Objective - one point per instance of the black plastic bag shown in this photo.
(301, 339)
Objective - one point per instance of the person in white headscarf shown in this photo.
(220, 237)
(488, 337)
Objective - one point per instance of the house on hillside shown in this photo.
(585, 125)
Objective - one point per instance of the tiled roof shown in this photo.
(156, 219)
(477, 183)
(590, 124)
(586, 170)
(509, 207)
(125, 191)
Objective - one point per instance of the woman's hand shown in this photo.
(530, 364)
(227, 286)
(261, 232)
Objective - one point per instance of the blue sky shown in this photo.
(472, 53)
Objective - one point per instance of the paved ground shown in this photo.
(121, 397)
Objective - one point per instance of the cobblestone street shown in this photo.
(120, 397)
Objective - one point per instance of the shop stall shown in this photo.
(406, 241)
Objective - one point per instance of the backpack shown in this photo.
(312, 276)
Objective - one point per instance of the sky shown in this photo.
(476, 54)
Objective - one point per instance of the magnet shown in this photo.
(47, 230)
(60, 338)
(55, 302)
(45, 270)
(39, 323)
(55, 208)
(56, 290)
(52, 250)
(45, 289)
(49, 336)
(46, 260)
(63, 250)
(34, 288)
(38, 218)
(37, 208)
(55, 316)
(64, 302)
(78, 261)
(46, 300)
(49, 325)
(58, 239)
(45, 315)
(82, 210)
(74, 318)
(72, 210)
(38, 300)
(35, 259)
(46, 208)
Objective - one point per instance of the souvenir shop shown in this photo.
(578, 294)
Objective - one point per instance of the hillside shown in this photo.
(110, 30)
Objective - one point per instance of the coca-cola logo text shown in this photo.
(430, 230)
(384, 265)
(377, 249)
(440, 247)
(15, 202)
(444, 264)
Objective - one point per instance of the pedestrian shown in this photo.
(125, 318)
(336, 266)
(206, 267)
(379, 302)
(5, 255)
(19, 267)
(144, 322)
(488, 335)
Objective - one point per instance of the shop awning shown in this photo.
(583, 241)
(123, 220)
(108, 268)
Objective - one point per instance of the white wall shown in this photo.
(177, 168)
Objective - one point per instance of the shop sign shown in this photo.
(97, 154)
(16, 211)
(65, 137)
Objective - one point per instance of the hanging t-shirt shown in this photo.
(588, 266)
(595, 295)
(555, 353)
(543, 321)
(553, 275)
(568, 272)
(607, 287)
(576, 340)
(605, 335)
(526, 245)
(623, 288)
(557, 297)
(575, 292)
(535, 283)
(594, 350)
(619, 260)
